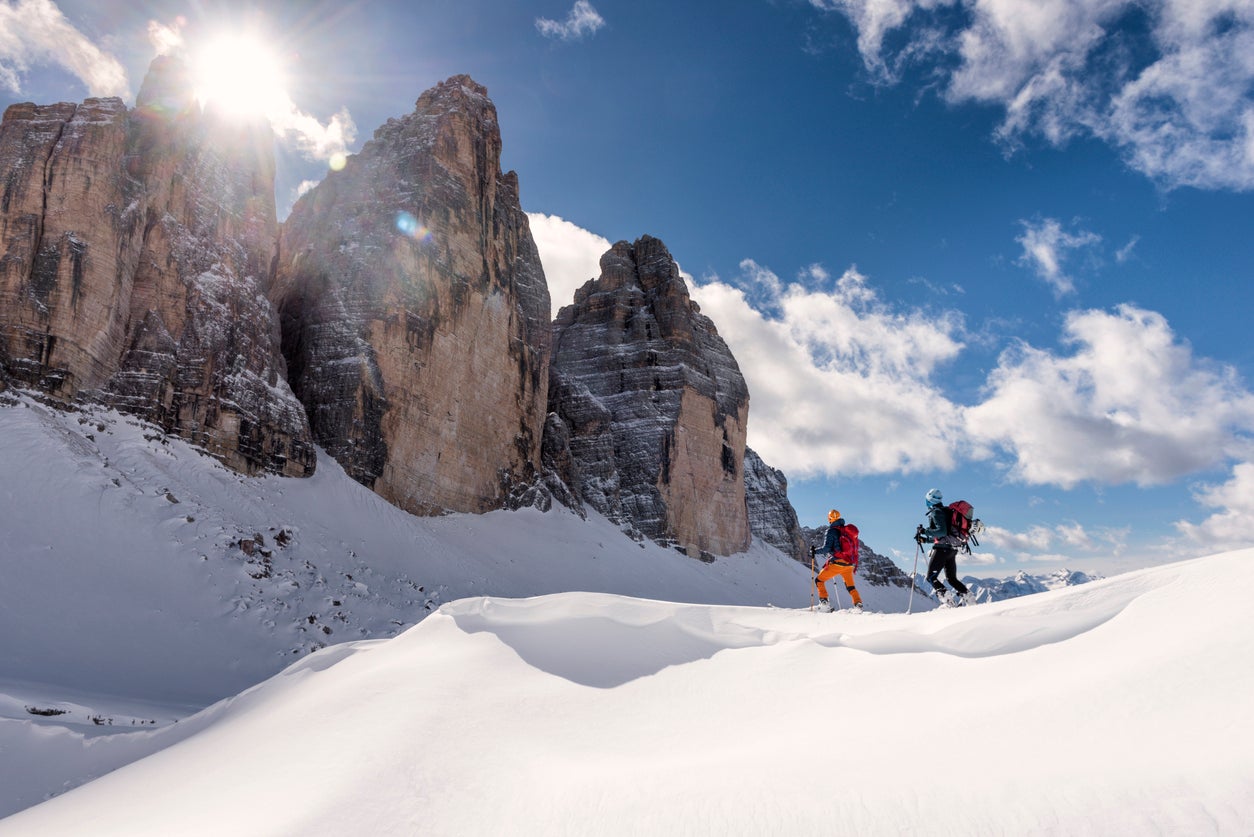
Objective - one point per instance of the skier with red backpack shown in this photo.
(841, 547)
(939, 531)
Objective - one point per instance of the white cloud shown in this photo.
(1189, 118)
(1131, 404)
(315, 139)
(1166, 81)
(309, 136)
(582, 20)
(1232, 526)
(1046, 247)
(1125, 252)
(1041, 543)
(165, 39)
(874, 20)
(839, 383)
(570, 254)
(35, 32)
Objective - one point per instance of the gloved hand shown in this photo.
(919, 537)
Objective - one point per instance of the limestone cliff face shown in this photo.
(652, 404)
(68, 242)
(772, 519)
(415, 312)
(135, 250)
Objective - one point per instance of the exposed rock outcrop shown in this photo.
(772, 519)
(415, 314)
(653, 405)
(135, 250)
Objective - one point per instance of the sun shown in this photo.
(239, 75)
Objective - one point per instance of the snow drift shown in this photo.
(1119, 707)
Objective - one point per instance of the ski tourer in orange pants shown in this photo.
(845, 571)
(842, 545)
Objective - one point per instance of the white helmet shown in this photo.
(933, 497)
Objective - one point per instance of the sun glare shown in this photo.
(239, 75)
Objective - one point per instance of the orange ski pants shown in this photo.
(833, 569)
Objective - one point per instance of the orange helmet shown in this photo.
(833, 516)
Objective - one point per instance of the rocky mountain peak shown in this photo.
(415, 314)
(653, 404)
(135, 250)
(167, 87)
(772, 518)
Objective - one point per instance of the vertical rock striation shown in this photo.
(652, 404)
(135, 254)
(772, 519)
(68, 242)
(415, 314)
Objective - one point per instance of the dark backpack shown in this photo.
(963, 525)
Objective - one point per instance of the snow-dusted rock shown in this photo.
(135, 251)
(415, 311)
(653, 404)
(772, 519)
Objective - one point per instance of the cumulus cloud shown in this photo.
(1041, 543)
(1047, 246)
(570, 254)
(839, 382)
(1130, 405)
(35, 32)
(582, 20)
(1166, 81)
(312, 137)
(1232, 525)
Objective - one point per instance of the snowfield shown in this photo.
(564, 680)
(1106, 709)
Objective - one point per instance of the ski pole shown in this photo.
(918, 550)
(813, 573)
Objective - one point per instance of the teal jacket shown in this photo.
(936, 529)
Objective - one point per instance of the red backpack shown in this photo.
(963, 525)
(849, 543)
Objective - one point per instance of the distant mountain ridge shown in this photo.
(1025, 584)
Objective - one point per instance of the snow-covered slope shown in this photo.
(1102, 709)
(136, 567)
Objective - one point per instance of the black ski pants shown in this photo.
(945, 558)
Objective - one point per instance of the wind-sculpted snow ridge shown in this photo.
(605, 641)
(1106, 709)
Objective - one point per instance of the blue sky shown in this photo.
(1001, 247)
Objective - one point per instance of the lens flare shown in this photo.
(412, 227)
